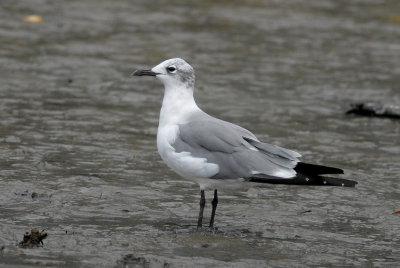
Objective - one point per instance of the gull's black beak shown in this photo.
(144, 72)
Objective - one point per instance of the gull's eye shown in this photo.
(171, 69)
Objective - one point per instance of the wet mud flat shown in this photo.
(77, 134)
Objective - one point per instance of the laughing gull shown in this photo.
(211, 151)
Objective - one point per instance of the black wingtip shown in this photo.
(304, 180)
(305, 168)
(338, 182)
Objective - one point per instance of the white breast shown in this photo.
(178, 105)
(182, 163)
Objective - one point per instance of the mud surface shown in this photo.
(77, 134)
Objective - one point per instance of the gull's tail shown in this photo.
(308, 174)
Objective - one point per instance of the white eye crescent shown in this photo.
(171, 69)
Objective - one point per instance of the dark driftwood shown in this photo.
(375, 109)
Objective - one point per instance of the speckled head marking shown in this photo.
(173, 71)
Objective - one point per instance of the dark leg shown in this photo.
(214, 208)
(202, 205)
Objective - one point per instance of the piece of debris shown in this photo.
(33, 19)
(396, 212)
(33, 239)
(306, 211)
(131, 260)
(394, 18)
(375, 109)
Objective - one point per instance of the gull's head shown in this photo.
(173, 73)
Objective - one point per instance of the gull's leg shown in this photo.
(214, 208)
(202, 205)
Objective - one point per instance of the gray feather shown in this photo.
(273, 150)
(236, 150)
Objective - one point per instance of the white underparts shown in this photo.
(178, 105)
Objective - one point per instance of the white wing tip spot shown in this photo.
(286, 174)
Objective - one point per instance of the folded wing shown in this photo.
(234, 149)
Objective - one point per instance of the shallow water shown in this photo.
(77, 134)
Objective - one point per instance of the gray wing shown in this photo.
(236, 151)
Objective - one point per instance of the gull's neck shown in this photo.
(177, 105)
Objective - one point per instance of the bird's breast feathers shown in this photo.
(182, 163)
